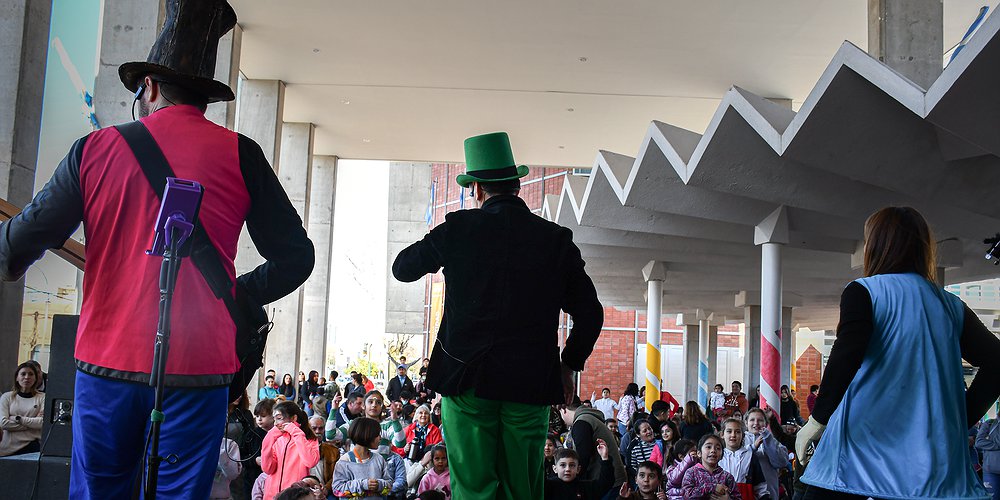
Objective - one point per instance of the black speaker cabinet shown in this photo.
(57, 429)
(32, 477)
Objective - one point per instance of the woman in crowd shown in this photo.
(240, 427)
(641, 448)
(287, 387)
(290, 448)
(627, 405)
(421, 435)
(695, 424)
(21, 412)
(754, 398)
(789, 408)
(896, 323)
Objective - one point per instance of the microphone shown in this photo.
(178, 214)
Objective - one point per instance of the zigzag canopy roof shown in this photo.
(866, 137)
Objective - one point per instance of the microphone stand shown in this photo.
(177, 230)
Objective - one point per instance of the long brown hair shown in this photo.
(898, 240)
(34, 369)
(693, 414)
(289, 409)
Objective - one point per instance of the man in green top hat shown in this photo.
(496, 360)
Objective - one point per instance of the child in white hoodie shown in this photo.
(739, 460)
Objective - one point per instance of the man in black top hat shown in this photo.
(101, 183)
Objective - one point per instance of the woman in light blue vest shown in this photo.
(892, 410)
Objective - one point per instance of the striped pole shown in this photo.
(654, 273)
(770, 325)
(702, 360)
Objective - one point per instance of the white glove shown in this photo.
(807, 435)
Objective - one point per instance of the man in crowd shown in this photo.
(607, 405)
(735, 400)
(101, 184)
(332, 389)
(509, 272)
(400, 383)
(352, 408)
(402, 361)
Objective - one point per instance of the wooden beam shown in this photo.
(72, 251)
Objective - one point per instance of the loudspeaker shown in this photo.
(57, 428)
(30, 477)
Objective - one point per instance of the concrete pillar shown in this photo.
(227, 70)
(771, 234)
(316, 298)
(260, 106)
(691, 353)
(703, 347)
(713, 357)
(787, 346)
(908, 36)
(409, 195)
(128, 31)
(654, 273)
(284, 344)
(751, 345)
(24, 40)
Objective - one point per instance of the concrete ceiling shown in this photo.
(863, 138)
(422, 76)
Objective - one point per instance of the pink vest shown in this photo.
(120, 288)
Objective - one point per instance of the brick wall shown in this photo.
(809, 371)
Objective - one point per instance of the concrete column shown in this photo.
(260, 106)
(908, 36)
(316, 298)
(409, 195)
(284, 344)
(128, 31)
(654, 273)
(713, 357)
(771, 234)
(691, 353)
(751, 346)
(703, 347)
(227, 70)
(24, 40)
(787, 346)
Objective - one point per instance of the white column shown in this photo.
(787, 346)
(128, 30)
(703, 348)
(771, 234)
(713, 357)
(24, 39)
(284, 344)
(227, 70)
(409, 196)
(654, 273)
(316, 299)
(260, 106)
(691, 351)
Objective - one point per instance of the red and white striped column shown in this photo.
(771, 234)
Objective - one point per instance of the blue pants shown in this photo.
(992, 483)
(110, 424)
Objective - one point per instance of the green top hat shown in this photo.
(488, 158)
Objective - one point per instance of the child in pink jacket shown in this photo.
(683, 456)
(437, 478)
(290, 449)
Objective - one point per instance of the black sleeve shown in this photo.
(604, 482)
(853, 335)
(756, 472)
(423, 257)
(276, 230)
(581, 303)
(583, 442)
(982, 349)
(47, 222)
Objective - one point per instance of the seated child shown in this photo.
(683, 456)
(361, 473)
(438, 478)
(706, 480)
(739, 460)
(567, 484)
(648, 482)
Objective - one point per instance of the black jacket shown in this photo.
(394, 389)
(508, 274)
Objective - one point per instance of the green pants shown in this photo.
(495, 448)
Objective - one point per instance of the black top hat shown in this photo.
(184, 54)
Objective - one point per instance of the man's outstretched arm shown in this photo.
(47, 222)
